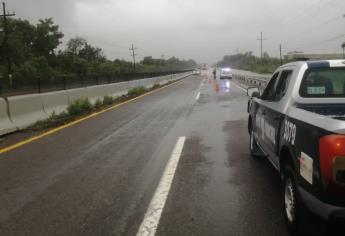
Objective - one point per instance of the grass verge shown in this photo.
(83, 107)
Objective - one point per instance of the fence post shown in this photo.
(1, 85)
(39, 84)
(97, 80)
(64, 82)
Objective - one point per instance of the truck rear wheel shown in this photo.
(294, 209)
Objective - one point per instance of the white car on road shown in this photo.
(225, 73)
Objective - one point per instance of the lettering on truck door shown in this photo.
(273, 118)
(265, 127)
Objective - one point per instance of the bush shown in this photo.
(98, 103)
(134, 92)
(155, 86)
(107, 100)
(79, 107)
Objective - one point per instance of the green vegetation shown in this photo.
(98, 104)
(36, 50)
(79, 107)
(108, 100)
(155, 86)
(134, 92)
(247, 61)
(53, 120)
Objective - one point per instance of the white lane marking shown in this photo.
(243, 89)
(197, 96)
(154, 211)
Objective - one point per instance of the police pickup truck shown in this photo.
(298, 123)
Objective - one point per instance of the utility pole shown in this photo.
(261, 42)
(7, 32)
(280, 53)
(133, 55)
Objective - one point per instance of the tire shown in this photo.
(255, 150)
(293, 208)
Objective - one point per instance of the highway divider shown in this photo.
(76, 94)
(55, 102)
(94, 93)
(26, 110)
(6, 124)
(20, 112)
(119, 89)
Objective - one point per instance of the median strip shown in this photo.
(79, 120)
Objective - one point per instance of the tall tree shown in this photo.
(47, 37)
(75, 45)
(91, 54)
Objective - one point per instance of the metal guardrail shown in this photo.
(20, 86)
(252, 80)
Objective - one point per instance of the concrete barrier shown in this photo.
(55, 102)
(94, 93)
(76, 94)
(147, 83)
(133, 84)
(6, 125)
(164, 79)
(119, 89)
(25, 110)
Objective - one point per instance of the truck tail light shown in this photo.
(332, 162)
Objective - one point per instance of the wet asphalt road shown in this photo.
(98, 177)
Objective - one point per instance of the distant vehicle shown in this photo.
(298, 123)
(196, 72)
(225, 73)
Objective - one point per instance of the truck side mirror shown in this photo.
(253, 92)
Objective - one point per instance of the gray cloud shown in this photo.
(203, 30)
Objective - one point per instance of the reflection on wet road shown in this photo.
(219, 189)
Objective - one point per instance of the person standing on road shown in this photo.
(214, 73)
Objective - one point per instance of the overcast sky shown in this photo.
(203, 30)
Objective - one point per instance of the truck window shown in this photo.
(269, 92)
(283, 84)
(323, 82)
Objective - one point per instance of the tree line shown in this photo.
(247, 61)
(36, 50)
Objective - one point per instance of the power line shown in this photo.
(133, 55)
(7, 32)
(280, 54)
(261, 43)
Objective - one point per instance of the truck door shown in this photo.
(260, 119)
(272, 109)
